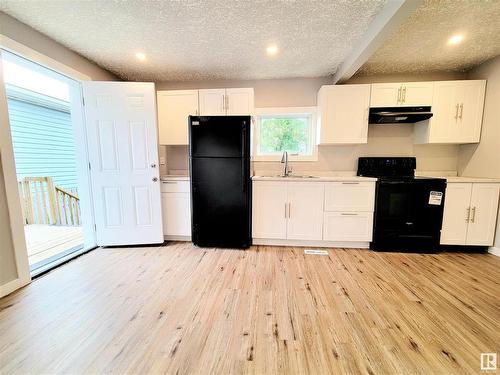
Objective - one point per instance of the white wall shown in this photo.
(386, 140)
(29, 37)
(483, 160)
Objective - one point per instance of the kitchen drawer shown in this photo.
(348, 226)
(172, 186)
(350, 196)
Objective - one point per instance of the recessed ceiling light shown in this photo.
(272, 49)
(455, 39)
(140, 56)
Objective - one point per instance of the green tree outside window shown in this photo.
(278, 134)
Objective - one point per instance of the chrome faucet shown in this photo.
(284, 159)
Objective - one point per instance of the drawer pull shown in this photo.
(169, 182)
(346, 214)
(350, 183)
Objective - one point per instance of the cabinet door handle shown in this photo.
(349, 214)
(472, 220)
(289, 210)
(227, 102)
(456, 111)
(404, 94)
(285, 211)
(350, 183)
(468, 215)
(399, 95)
(461, 110)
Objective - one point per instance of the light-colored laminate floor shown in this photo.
(180, 309)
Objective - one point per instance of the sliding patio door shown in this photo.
(49, 148)
(122, 141)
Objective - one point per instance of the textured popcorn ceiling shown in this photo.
(212, 39)
(420, 45)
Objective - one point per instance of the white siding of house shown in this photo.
(42, 136)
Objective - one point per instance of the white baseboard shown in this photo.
(11, 286)
(178, 238)
(494, 251)
(305, 243)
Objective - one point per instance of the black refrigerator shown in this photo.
(221, 188)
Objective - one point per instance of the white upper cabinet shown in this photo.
(239, 101)
(385, 94)
(174, 107)
(343, 114)
(401, 94)
(457, 113)
(220, 102)
(471, 105)
(212, 102)
(417, 94)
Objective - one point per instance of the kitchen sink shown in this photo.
(291, 176)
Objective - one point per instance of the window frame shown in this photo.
(284, 111)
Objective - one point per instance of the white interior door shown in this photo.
(122, 137)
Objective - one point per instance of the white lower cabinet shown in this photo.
(320, 212)
(305, 210)
(287, 210)
(269, 209)
(349, 196)
(176, 209)
(470, 214)
(348, 226)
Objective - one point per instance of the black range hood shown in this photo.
(399, 115)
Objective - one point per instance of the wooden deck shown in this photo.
(46, 242)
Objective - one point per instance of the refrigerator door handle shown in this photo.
(243, 159)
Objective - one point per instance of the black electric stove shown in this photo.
(408, 209)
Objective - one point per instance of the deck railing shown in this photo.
(44, 203)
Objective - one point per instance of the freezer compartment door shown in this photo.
(219, 136)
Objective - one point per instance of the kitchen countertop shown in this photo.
(452, 179)
(174, 178)
(316, 178)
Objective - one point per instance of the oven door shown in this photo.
(406, 218)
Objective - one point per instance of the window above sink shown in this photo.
(291, 129)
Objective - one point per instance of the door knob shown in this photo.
(155, 179)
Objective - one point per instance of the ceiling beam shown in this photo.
(387, 21)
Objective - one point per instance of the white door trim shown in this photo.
(13, 201)
(30, 54)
